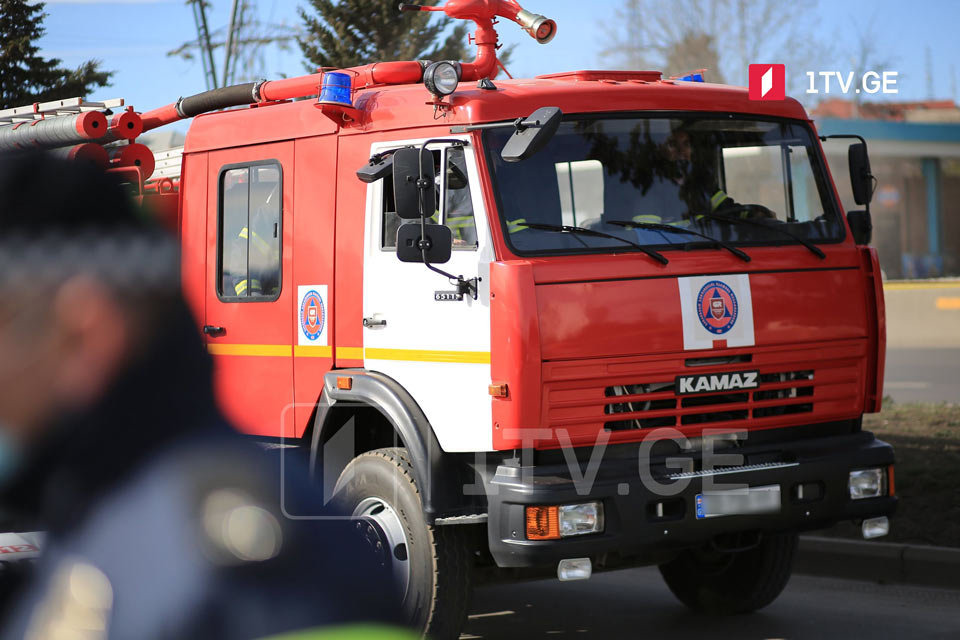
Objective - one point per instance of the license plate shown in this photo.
(737, 502)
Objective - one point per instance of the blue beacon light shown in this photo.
(336, 89)
(692, 77)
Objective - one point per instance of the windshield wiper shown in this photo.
(670, 228)
(656, 255)
(754, 223)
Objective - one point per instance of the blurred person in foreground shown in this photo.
(161, 521)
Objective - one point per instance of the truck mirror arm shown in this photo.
(468, 287)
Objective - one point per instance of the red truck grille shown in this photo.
(629, 396)
(777, 395)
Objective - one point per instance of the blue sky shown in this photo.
(133, 36)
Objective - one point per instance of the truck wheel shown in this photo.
(729, 583)
(431, 565)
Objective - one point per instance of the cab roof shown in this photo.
(388, 108)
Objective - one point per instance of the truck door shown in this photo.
(249, 310)
(438, 348)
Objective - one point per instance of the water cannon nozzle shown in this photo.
(540, 28)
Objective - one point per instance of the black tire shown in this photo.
(440, 558)
(730, 583)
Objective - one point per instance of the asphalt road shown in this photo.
(637, 604)
(922, 375)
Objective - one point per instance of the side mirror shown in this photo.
(438, 239)
(861, 226)
(413, 181)
(861, 179)
(532, 134)
(380, 166)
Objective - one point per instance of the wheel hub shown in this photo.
(385, 535)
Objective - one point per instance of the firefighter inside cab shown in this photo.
(252, 265)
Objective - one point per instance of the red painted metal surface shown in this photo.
(313, 261)
(87, 151)
(125, 125)
(828, 377)
(134, 155)
(564, 329)
(515, 357)
(876, 319)
(255, 387)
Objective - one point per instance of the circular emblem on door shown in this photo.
(312, 315)
(717, 307)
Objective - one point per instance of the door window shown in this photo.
(453, 190)
(249, 235)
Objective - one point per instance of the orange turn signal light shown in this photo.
(543, 523)
(345, 383)
(498, 390)
(890, 487)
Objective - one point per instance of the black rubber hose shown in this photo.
(233, 96)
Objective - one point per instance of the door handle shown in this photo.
(374, 321)
(213, 331)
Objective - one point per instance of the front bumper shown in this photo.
(632, 525)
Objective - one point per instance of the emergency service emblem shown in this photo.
(717, 311)
(313, 315)
(717, 307)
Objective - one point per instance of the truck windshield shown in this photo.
(698, 172)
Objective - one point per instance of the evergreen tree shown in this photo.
(26, 77)
(349, 33)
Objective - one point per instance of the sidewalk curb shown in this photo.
(879, 561)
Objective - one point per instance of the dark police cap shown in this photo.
(40, 192)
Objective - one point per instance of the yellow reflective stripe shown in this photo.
(904, 286)
(647, 218)
(312, 351)
(262, 350)
(515, 225)
(262, 245)
(417, 355)
(241, 287)
(460, 222)
(717, 199)
(349, 632)
(350, 353)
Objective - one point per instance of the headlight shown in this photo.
(555, 522)
(578, 519)
(867, 483)
(441, 78)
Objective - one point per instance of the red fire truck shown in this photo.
(584, 321)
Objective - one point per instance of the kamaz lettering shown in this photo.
(717, 382)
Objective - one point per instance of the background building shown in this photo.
(915, 155)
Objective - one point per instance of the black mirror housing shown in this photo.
(861, 179)
(413, 181)
(532, 134)
(380, 166)
(439, 243)
(861, 226)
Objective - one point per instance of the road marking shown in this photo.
(495, 614)
(952, 304)
(906, 385)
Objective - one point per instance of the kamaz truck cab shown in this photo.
(557, 325)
